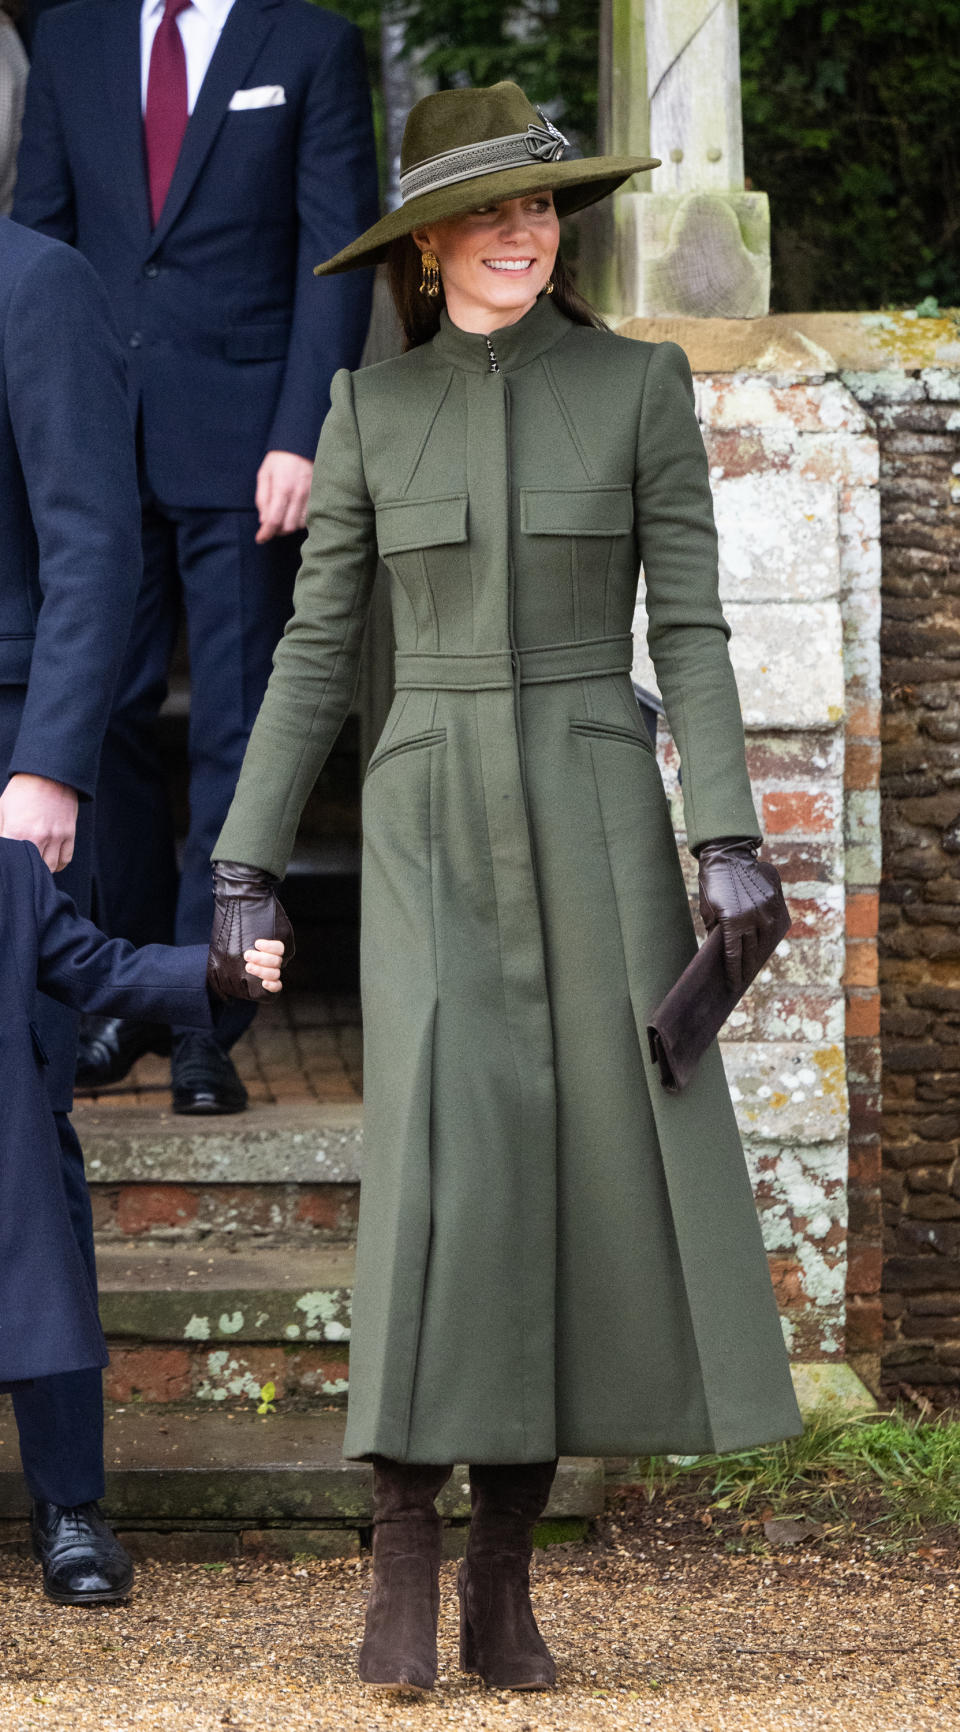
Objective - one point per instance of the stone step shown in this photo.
(198, 1323)
(255, 1293)
(299, 1143)
(235, 1471)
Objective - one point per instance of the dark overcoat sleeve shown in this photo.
(71, 422)
(80, 967)
(44, 196)
(336, 200)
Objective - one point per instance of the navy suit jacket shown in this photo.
(70, 558)
(231, 340)
(48, 1311)
(69, 510)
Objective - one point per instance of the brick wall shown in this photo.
(917, 415)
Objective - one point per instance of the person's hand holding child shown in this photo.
(265, 960)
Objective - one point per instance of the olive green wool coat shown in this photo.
(554, 1254)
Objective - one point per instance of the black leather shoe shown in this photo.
(204, 1079)
(83, 1562)
(109, 1045)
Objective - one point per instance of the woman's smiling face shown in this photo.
(495, 260)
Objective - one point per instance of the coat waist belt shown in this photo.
(499, 670)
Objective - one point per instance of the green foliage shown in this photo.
(548, 48)
(907, 1472)
(850, 124)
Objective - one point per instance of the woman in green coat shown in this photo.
(555, 1255)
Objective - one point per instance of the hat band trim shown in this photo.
(514, 150)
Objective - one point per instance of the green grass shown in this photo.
(881, 1470)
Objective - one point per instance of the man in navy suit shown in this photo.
(69, 576)
(204, 156)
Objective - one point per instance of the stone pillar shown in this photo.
(692, 241)
(793, 462)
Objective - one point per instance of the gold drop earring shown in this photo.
(430, 274)
(550, 285)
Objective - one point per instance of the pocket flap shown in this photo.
(576, 510)
(412, 523)
(261, 342)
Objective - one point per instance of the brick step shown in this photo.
(189, 1323)
(259, 1484)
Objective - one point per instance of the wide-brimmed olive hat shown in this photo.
(464, 148)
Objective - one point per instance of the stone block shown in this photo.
(830, 1389)
(786, 1092)
(941, 384)
(700, 253)
(778, 538)
(787, 657)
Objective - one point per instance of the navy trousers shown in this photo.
(237, 598)
(60, 1419)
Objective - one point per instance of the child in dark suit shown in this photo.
(48, 1309)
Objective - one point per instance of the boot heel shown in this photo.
(468, 1647)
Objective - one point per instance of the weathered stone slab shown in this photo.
(822, 1388)
(272, 1144)
(787, 657)
(778, 538)
(751, 401)
(871, 344)
(787, 1092)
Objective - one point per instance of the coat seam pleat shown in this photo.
(508, 1023)
(673, 1228)
(421, 1298)
(568, 421)
(431, 423)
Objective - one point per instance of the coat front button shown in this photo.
(151, 270)
(136, 340)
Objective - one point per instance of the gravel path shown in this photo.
(650, 1628)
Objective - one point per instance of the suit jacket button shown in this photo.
(136, 340)
(151, 270)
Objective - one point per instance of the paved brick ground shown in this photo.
(305, 1048)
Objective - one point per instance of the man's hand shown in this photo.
(283, 489)
(33, 809)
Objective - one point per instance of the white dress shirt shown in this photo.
(199, 25)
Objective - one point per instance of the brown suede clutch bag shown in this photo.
(695, 1010)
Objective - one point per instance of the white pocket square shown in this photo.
(261, 96)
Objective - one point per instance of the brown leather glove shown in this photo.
(245, 908)
(741, 893)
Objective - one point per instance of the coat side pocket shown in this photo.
(416, 743)
(610, 731)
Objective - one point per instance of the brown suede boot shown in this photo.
(399, 1650)
(498, 1632)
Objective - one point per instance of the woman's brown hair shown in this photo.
(419, 314)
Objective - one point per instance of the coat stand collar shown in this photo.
(514, 345)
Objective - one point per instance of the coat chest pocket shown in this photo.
(405, 525)
(574, 511)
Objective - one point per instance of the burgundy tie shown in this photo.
(165, 118)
